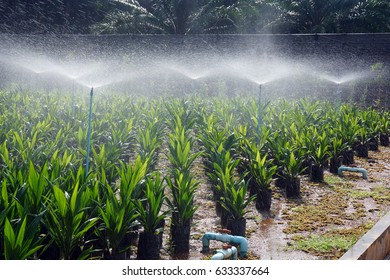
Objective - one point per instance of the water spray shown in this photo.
(89, 134)
(259, 116)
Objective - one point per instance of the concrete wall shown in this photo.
(374, 245)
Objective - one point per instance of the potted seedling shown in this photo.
(235, 202)
(291, 169)
(276, 145)
(20, 238)
(118, 216)
(336, 149)
(348, 132)
(67, 221)
(261, 172)
(151, 218)
(119, 213)
(370, 119)
(318, 154)
(361, 145)
(234, 197)
(183, 188)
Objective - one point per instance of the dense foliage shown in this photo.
(146, 164)
(189, 16)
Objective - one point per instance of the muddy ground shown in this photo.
(323, 224)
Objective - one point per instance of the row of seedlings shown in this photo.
(222, 164)
(151, 209)
(181, 181)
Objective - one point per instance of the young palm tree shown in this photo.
(151, 218)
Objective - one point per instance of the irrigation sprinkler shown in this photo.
(89, 134)
(259, 116)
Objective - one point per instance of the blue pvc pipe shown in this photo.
(73, 97)
(259, 115)
(89, 134)
(193, 85)
(240, 240)
(352, 169)
(338, 97)
(230, 253)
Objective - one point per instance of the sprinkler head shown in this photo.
(91, 91)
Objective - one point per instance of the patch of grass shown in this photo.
(355, 232)
(383, 194)
(327, 246)
(334, 180)
(329, 211)
(380, 194)
(197, 236)
(362, 194)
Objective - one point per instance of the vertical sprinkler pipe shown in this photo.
(338, 97)
(193, 85)
(73, 94)
(259, 116)
(89, 134)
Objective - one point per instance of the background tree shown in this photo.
(313, 16)
(51, 16)
(368, 16)
(148, 16)
(227, 16)
(193, 16)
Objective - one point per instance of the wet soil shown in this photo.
(341, 208)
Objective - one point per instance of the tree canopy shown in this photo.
(193, 16)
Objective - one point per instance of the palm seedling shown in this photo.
(67, 222)
(152, 218)
(261, 172)
(106, 158)
(20, 239)
(234, 197)
(183, 185)
(218, 146)
(336, 150)
(149, 141)
(317, 147)
(180, 154)
(118, 212)
(348, 129)
(4, 207)
(183, 188)
(371, 120)
(291, 167)
(362, 143)
(118, 216)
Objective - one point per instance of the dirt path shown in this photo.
(339, 210)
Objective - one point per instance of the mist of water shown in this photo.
(345, 78)
(181, 69)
